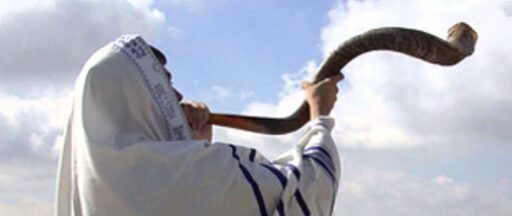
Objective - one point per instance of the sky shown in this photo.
(415, 138)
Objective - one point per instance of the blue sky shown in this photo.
(417, 139)
(252, 42)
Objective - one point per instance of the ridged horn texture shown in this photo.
(459, 44)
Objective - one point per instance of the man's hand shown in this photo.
(322, 95)
(197, 115)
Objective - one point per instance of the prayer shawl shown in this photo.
(127, 151)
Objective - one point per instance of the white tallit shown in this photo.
(127, 151)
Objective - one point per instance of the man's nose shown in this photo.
(179, 96)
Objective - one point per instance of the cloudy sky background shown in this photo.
(417, 139)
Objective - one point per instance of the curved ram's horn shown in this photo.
(459, 44)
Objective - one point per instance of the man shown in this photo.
(130, 148)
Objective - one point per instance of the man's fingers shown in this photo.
(202, 117)
(334, 78)
(338, 77)
(197, 120)
(197, 114)
(306, 84)
(187, 110)
(203, 113)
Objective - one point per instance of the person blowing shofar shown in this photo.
(131, 147)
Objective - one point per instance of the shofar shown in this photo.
(459, 44)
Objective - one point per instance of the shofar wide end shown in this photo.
(463, 37)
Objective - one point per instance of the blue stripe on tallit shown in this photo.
(280, 208)
(295, 171)
(254, 185)
(298, 195)
(323, 154)
(319, 148)
(329, 165)
(302, 204)
(252, 155)
(234, 154)
(282, 179)
(322, 164)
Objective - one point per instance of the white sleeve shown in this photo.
(312, 171)
(321, 167)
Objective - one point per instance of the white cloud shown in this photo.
(197, 4)
(9, 6)
(442, 180)
(220, 92)
(388, 192)
(27, 206)
(245, 95)
(423, 105)
(290, 95)
(425, 100)
(31, 126)
(26, 190)
(223, 93)
(174, 32)
(507, 8)
(49, 53)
